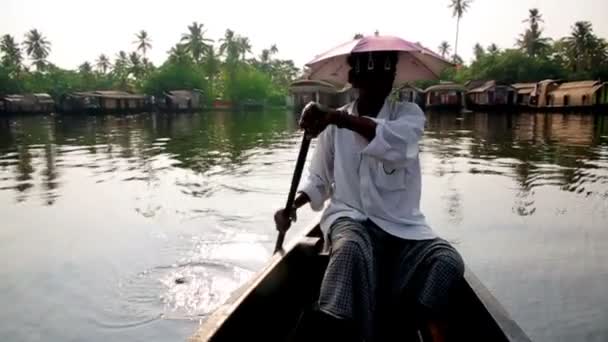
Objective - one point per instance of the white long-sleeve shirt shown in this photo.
(379, 179)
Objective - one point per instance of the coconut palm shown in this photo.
(493, 49)
(229, 46)
(121, 65)
(103, 64)
(478, 51)
(585, 49)
(11, 53)
(212, 68)
(195, 42)
(459, 7)
(135, 65)
(273, 49)
(144, 43)
(85, 68)
(37, 48)
(244, 46)
(444, 49)
(179, 54)
(532, 41)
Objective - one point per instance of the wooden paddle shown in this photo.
(295, 181)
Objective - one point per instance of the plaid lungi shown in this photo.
(375, 279)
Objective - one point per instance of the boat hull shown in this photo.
(268, 307)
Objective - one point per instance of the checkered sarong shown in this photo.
(373, 276)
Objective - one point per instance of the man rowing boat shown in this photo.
(387, 268)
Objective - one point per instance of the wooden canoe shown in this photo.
(268, 306)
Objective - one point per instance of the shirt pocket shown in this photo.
(388, 177)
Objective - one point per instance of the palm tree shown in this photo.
(357, 36)
(135, 64)
(531, 40)
(179, 54)
(493, 49)
(229, 46)
(103, 63)
(534, 17)
(37, 48)
(212, 68)
(85, 68)
(195, 41)
(444, 49)
(478, 51)
(459, 7)
(584, 47)
(273, 49)
(144, 43)
(11, 54)
(244, 46)
(121, 66)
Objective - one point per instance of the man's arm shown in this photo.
(365, 126)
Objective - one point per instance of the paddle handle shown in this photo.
(295, 181)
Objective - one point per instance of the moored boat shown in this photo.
(268, 306)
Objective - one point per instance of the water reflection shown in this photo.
(535, 149)
(127, 204)
(34, 150)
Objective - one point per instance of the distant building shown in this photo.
(103, 101)
(304, 91)
(410, 93)
(182, 100)
(491, 95)
(524, 91)
(541, 96)
(445, 96)
(576, 94)
(27, 103)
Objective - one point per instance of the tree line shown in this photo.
(581, 55)
(224, 69)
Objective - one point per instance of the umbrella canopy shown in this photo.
(416, 62)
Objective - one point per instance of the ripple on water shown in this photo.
(196, 284)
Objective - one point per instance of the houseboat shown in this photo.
(27, 103)
(304, 91)
(449, 96)
(491, 96)
(104, 101)
(181, 100)
(524, 92)
(410, 93)
(556, 95)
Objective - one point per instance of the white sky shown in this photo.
(80, 30)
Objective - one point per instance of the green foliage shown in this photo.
(175, 75)
(247, 83)
(582, 55)
(509, 66)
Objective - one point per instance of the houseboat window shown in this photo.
(584, 99)
(567, 100)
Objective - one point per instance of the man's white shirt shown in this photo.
(378, 180)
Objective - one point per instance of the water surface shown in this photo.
(101, 214)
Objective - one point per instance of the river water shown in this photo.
(99, 216)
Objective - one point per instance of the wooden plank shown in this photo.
(510, 328)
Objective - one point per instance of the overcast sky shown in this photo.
(80, 30)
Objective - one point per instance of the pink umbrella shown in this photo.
(415, 61)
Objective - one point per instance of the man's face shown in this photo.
(376, 82)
